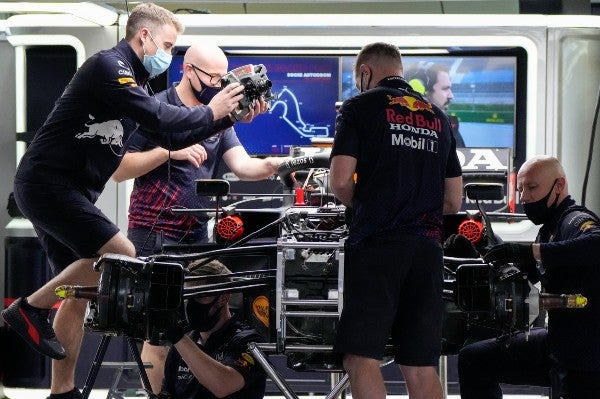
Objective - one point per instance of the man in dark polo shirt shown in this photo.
(394, 163)
(212, 360)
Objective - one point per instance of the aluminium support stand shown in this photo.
(97, 363)
(339, 383)
(283, 386)
(443, 372)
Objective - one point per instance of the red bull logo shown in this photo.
(411, 103)
(399, 100)
(412, 120)
(108, 132)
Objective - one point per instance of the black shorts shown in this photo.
(393, 289)
(68, 224)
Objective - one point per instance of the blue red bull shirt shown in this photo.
(570, 247)
(229, 346)
(81, 142)
(405, 150)
(160, 190)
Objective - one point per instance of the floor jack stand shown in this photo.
(91, 378)
(283, 386)
(338, 387)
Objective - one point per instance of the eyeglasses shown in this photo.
(215, 78)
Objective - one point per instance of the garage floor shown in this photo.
(21, 393)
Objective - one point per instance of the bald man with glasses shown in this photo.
(166, 180)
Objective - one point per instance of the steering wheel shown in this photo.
(287, 168)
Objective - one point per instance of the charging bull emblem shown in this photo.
(411, 103)
(109, 132)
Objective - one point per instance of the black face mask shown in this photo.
(198, 315)
(207, 93)
(538, 212)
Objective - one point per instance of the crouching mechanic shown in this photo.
(565, 258)
(212, 360)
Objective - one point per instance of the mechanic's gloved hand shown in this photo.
(510, 252)
(177, 330)
(178, 324)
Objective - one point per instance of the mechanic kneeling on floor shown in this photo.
(566, 259)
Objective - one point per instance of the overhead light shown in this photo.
(290, 44)
(88, 11)
(47, 20)
(329, 21)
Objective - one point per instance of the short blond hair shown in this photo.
(150, 15)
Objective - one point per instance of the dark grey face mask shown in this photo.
(538, 212)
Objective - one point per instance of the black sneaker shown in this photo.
(74, 394)
(33, 326)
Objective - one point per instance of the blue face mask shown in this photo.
(207, 93)
(157, 63)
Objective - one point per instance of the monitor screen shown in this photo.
(488, 96)
(482, 96)
(307, 88)
(484, 92)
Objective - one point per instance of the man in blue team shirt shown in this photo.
(71, 158)
(167, 180)
(564, 258)
(402, 151)
(212, 360)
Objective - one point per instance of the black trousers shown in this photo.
(484, 365)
